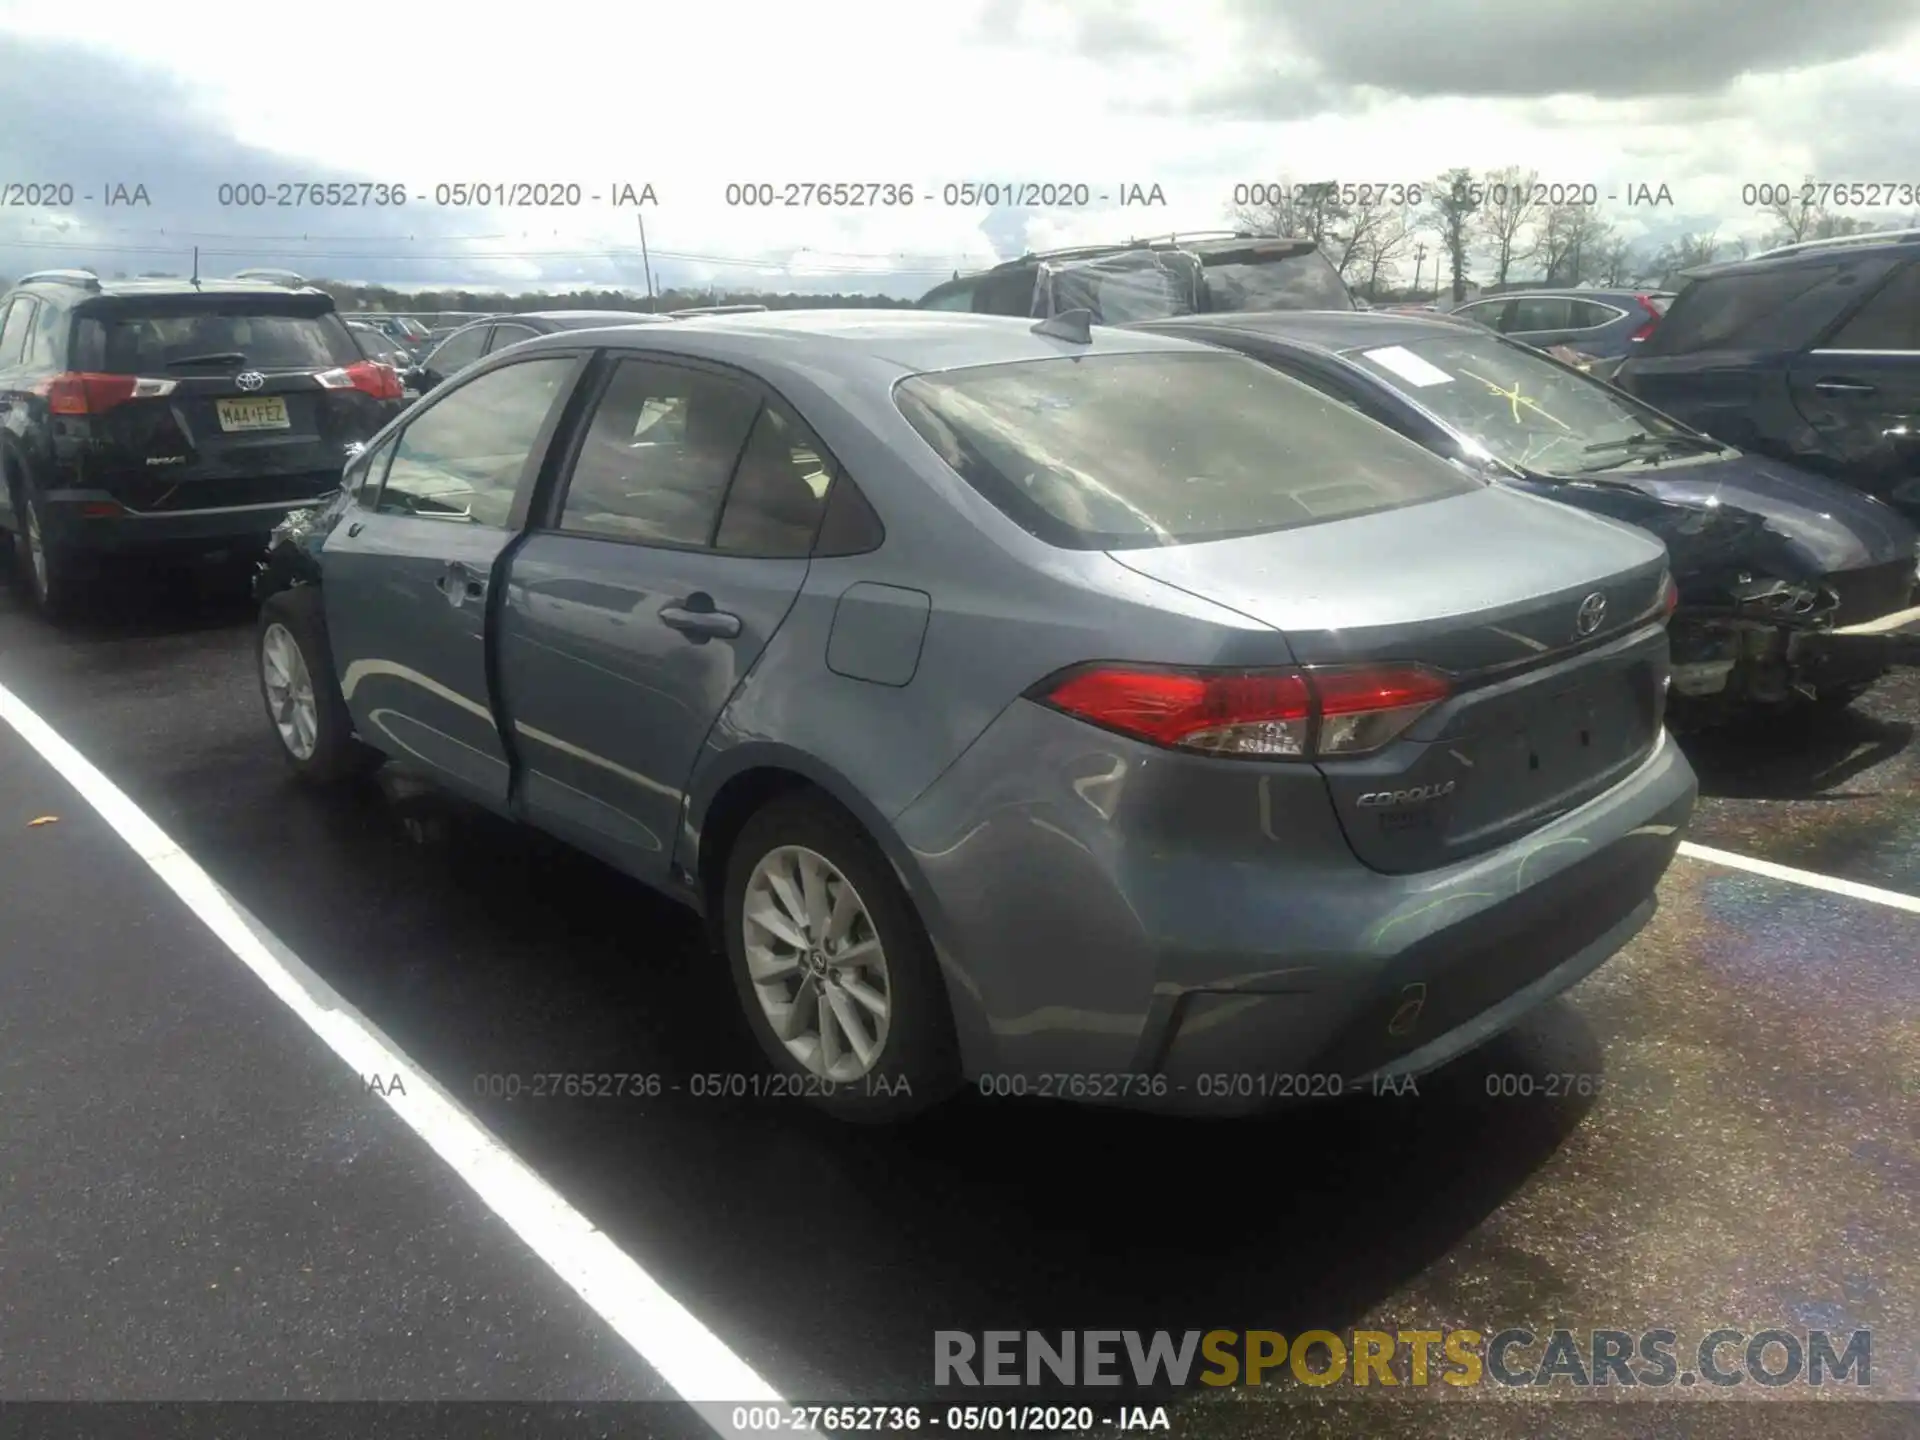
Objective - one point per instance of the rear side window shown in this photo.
(48, 345)
(1757, 310)
(1890, 320)
(156, 339)
(779, 490)
(505, 335)
(459, 350)
(1124, 451)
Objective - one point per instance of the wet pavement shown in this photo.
(1738, 1144)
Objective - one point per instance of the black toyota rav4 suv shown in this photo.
(170, 415)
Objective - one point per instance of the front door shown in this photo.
(409, 574)
(1860, 392)
(670, 555)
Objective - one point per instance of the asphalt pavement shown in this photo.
(203, 1201)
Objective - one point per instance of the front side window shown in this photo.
(1122, 451)
(462, 459)
(368, 472)
(950, 297)
(654, 464)
(1519, 405)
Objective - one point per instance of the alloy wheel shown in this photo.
(816, 963)
(289, 689)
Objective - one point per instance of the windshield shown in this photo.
(1108, 452)
(1523, 408)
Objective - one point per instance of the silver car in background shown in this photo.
(1080, 712)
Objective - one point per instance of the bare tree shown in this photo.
(1615, 263)
(1572, 238)
(1506, 222)
(1391, 237)
(1301, 212)
(1456, 199)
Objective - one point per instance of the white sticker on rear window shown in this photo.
(1408, 366)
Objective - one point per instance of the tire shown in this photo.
(916, 1062)
(52, 579)
(290, 645)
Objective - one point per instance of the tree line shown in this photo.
(1496, 219)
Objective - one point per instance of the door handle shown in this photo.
(1843, 387)
(696, 617)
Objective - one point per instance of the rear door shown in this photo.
(673, 548)
(410, 574)
(220, 401)
(1859, 389)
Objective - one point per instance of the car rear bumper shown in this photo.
(74, 520)
(1263, 962)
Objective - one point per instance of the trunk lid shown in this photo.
(1548, 709)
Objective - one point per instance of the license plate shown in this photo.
(267, 413)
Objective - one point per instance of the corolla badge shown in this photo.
(1417, 795)
(250, 380)
(1591, 615)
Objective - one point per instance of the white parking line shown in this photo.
(694, 1361)
(1812, 878)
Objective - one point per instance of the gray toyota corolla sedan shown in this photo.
(1079, 712)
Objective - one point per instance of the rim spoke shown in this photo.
(855, 956)
(852, 1025)
(846, 909)
(767, 916)
(768, 967)
(801, 1015)
(813, 884)
(871, 998)
(832, 1051)
(788, 897)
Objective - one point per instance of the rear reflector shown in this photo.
(382, 382)
(1270, 714)
(88, 393)
(102, 509)
(1670, 598)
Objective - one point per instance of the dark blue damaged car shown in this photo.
(1795, 589)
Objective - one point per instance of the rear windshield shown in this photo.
(1295, 282)
(1110, 452)
(158, 339)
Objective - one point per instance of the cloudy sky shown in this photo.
(1702, 96)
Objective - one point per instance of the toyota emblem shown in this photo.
(1592, 613)
(250, 380)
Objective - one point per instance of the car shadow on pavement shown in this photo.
(830, 1255)
(1804, 755)
(134, 599)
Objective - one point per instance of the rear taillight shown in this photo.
(1268, 714)
(370, 377)
(1670, 598)
(87, 393)
(1653, 318)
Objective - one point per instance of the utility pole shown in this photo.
(645, 263)
(1419, 263)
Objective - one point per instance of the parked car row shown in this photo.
(1214, 692)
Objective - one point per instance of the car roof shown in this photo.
(1898, 244)
(163, 288)
(907, 340)
(1329, 330)
(583, 317)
